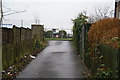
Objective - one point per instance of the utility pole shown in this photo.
(22, 23)
(52, 32)
(62, 31)
(1, 12)
(1, 15)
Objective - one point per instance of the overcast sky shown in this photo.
(52, 13)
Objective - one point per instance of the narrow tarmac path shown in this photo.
(56, 61)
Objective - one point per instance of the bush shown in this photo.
(104, 31)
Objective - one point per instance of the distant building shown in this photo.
(55, 33)
(117, 9)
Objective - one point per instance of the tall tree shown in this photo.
(62, 34)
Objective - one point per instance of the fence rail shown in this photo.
(111, 55)
(17, 42)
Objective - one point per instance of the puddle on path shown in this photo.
(58, 52)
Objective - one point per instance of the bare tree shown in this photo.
(13, 12)
(100, 13)
(36, 18)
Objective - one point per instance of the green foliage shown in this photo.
(78, 23)
(119, 44)
(103, 72)
(48, 34)
(62, 34)
(38, 45)
(12, 71)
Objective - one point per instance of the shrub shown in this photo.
(38, 45)
(105, 31)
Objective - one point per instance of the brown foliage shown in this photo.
(104, 31)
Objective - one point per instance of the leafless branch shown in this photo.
(13, 13)
(9, 11)
(36, 18)
(100, 13)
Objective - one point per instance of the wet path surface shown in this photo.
(56, 61)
